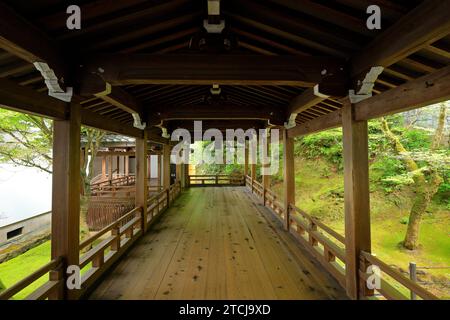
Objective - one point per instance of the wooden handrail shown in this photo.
(397, 276)
(215, 180)
(87, 242)
(25, 282)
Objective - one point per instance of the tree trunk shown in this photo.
(424, 194)
(440, 128)
(425, 190)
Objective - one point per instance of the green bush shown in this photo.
(326, 144)
(416, 139)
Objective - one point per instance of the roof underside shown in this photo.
(265, 27)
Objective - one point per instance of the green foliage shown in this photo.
(325, 144)
(25, 140)
(404, 220)
(416, 139)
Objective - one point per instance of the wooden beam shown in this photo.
(27, 100)
(424, 91)
(95, 120)
(93, 85)
(221, 125)
(66, 192)
(275, 114)
(425, 24)
(141, 177)
(305, 101)
(429, 89)
(288, 176)
(25, 41)
(325, 122)
(124, 69)
(356, 195)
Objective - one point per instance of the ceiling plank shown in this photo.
(25, 41)
(304, 101)
(424, 25)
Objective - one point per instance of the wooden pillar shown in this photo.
(289, 176)
(166, 166)
(246, 160)
(266, 186)
(266, 177)
(178, 172)
(186, 176)
(127, 165)
(149, 157)
(65, 239)
(103, 168)
(356, 195)
(110, 168)
(159, 170)
(141, 177)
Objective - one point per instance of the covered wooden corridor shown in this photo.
(144, 69)
(218, 243)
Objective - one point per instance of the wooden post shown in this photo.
(186, 176)
(266, 186)
(149, 166)
(253, 174)
(356, 196)
(178, 172)
(110, 168)
(246, 160)
(66, 188)
(104, 168)
(141, 177)
(289, 176)
(159, 170)
(166, 166)
(127, 165)
(118, 165)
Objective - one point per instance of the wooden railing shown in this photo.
(119, 181)
(161, 201)
(99, 252)
(53, 269)
(324, 243)
(328, 247)
(388, 278)
(215, 180)
(121, 191)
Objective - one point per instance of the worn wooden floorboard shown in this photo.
(217, 243)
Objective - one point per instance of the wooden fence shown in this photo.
(214, 180)
(328, 247)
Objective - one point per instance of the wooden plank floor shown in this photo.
(217, 243)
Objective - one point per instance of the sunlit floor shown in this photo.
(217, 243)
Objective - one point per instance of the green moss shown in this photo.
(21, 266)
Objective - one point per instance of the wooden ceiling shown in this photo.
(263, 27)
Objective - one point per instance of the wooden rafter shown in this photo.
(275, 114)
(424, 25)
